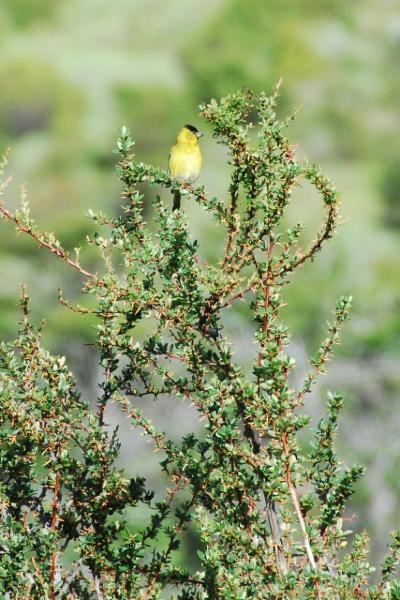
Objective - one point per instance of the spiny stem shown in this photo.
(39, 238)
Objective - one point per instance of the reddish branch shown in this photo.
(39, 238)
(325, 233)
(233, 224)
(270, 506)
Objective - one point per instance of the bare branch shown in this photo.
(44, 240)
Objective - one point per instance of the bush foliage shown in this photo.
(268, 510)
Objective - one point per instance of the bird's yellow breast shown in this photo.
(185, 158)
(184, 164)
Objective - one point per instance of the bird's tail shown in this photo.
(177, 200)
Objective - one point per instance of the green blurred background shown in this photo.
(72, 73)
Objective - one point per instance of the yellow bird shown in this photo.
(185, 159)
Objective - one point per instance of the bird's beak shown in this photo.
(199, 134)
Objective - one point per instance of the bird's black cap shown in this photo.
(194, 130)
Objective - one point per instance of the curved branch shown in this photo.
(330, 198)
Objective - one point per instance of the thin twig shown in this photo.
(233, 224)
(297, 508)
(39, 238)
(55, 501)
